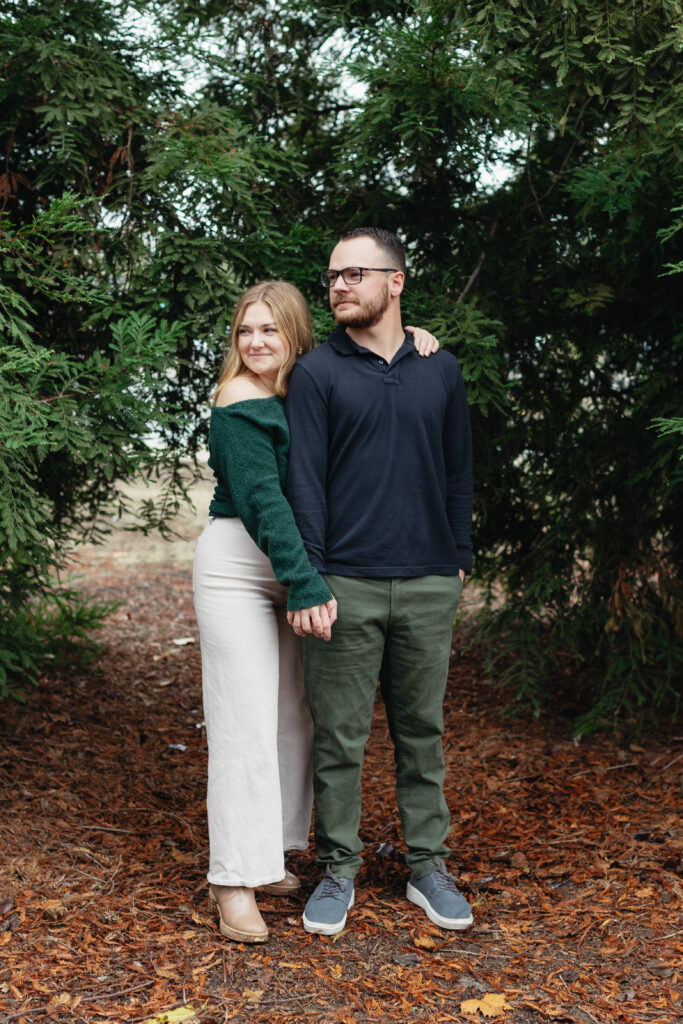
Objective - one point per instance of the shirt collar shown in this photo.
(344, 344)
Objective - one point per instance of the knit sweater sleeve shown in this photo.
(243, 438)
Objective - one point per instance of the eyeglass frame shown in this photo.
(326, 281)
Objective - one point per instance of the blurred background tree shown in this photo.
(529, 155)
(126, 212)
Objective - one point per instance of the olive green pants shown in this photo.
(398, 631)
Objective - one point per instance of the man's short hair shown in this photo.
(387, 240)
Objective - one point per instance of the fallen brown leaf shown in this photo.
(570, 861)
(406, 959)
(569, 975)
(519, 861)
(660, 970)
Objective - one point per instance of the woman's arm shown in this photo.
(242, 448)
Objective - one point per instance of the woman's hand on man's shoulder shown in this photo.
(425, 343)
(239, 389)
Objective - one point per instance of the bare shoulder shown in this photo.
(239, 389)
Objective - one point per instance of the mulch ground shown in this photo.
(570, 854)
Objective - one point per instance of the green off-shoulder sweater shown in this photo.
(248, 449)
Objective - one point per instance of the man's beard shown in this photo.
(366, 315)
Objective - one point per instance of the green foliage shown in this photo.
(589, 544)
(130, 213)
(566, 257)
(71, 426)
(672, 426)
(47, 633)
(529, 154)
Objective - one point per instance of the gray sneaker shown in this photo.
(440, 898)
(325, 912)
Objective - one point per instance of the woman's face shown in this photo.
(262, 348)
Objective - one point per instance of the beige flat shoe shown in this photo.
(285, 887)
(239, 917)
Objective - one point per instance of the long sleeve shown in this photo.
(307, 413)
(458, 461)
(243, 442)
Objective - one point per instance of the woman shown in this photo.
(250, 568)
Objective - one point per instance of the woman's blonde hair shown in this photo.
(292, 319)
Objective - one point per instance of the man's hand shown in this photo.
(425, 343)
(461, 573)
(317, 620)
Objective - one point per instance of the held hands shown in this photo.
(317, 620)
(425, 343)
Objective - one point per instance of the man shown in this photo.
(380, 480)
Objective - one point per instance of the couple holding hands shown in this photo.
(341, 514)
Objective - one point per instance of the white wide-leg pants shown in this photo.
(258, 725)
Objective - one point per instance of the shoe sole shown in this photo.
(320, 928)
(278, 889)
(455, 924)
(237, 936)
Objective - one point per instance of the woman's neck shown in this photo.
(265, 384)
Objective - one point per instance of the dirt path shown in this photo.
(570, 854)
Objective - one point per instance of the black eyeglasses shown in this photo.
(350, 275)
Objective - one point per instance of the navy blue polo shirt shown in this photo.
(380, 461)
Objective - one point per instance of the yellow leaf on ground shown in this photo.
(490, 1006)
(181, 1015)
(63, 999)
(253, 995)
(53, 909)
(426, 942)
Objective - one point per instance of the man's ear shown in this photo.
(397, 282)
